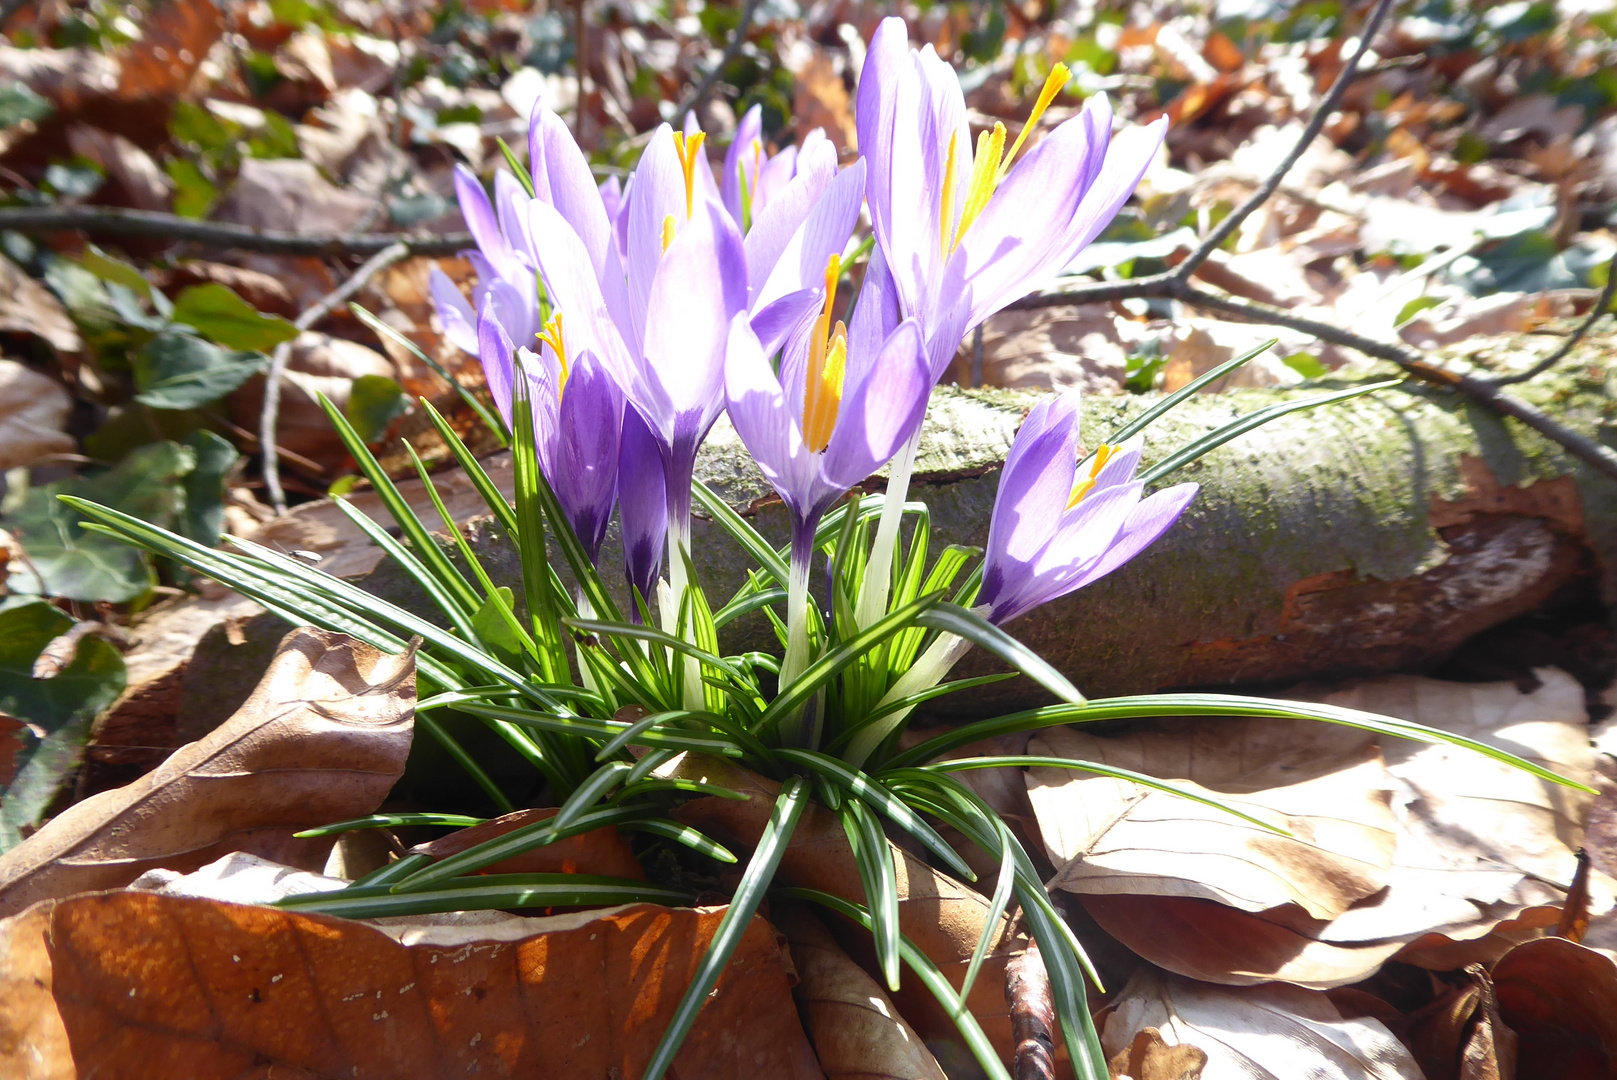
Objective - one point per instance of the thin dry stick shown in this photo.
(1600, 308)
(270, 414)
(737, 39)
(113, 221)
(1267, 189)
(1033, 1015)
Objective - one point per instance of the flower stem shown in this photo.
(926, 673)
(878, 571)
(797, 630)
(677, 473)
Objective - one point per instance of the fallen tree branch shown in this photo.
(1601, 306)
(731, 48)
(114, 221)
(1227, 227)
(269, 416)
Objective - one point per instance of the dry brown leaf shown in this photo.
(135, 985)
(323, 738)
(1324, 785)
(1459, 1036)
(27, 307)
(1148, 1057)
(821, 101)
(33, 411)
(943, 917)
(1207, 343)
(318, 364)
(1478, 841)
(1084, 348)
(145, 184)
(1206, 940)
(600, 851)
(1256, 1033)
(1561, 1000)
(857, 1032)
(290, 195)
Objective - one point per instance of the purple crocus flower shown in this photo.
(577, 418)
(505, 274)
(841, 407)
(1053, 530)
(642, 507)
(964, 232)
(754, 179)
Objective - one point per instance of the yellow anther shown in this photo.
(984, 179)
(668, 231)
(828, 355)
(687, 149)
(551, 335)
(1103, 454)
(946, 204)
(1053, 85)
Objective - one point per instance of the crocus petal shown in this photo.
(585, 452)
(1120, 467)
(887, 64)
(786, 317)
(1035, 485)
(1149, 519)
(700, 286)
(659, 191)
(876, 315)
(773, 176)
(1090, 528)
(642, 509)
(1127, 159)
(881, 413)
(774, 229)
(568, 185)
(738, 158)
(494, 350)
(575, 292)
(481, 222)
(799, 261)
(456, 316)
(764, 421)
(1020, 239)
(611, 191)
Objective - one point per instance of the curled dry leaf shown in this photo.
(27, 307)
(1561, 1000)
(1270, 1032)
(600, 851)
(857, 1032)
(323, 738)
(943, 917)
(1149, 1057)
(139, 985)
(1325, 786)
(1459, 1035)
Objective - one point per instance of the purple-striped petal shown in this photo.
(778, 224)
(494, 350)
(481, 222)
(585, 450)
(642, 506)
(1146, 523)
(764, 420)
(746, 145)
(881, 411)
(563, 179)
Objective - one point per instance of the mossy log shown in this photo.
(1372, 535)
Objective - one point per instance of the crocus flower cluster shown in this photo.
(638, 313)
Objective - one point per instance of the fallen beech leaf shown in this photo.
(1478, 841)
(27, 307)
(943, 917)
(1326, 786)
(33, 412)
(145, 185)
(857, 1033)
(1206, 940)
(1148, 1057)
(1561, 1000)
(599, 851)
(1256, 1033)
(145, 985)
(323, 738)
(291, 195)
(1458, 1036)
(1084, 348)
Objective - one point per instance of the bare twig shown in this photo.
(1601, 306)
(1033, 1015)
(1326, 106)
(270, 414)
(112, 221)
(731, 48)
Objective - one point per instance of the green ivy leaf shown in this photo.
(204, 517)
(63, 560)
(58, 710)
(221, 315)
(178, 371)
(19, 103)
(374, 403)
